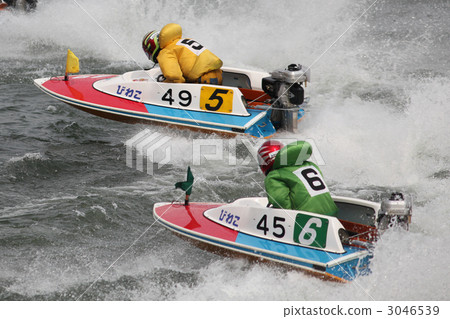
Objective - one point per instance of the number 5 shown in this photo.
(216, 96)
(216, 100)
(277, 225)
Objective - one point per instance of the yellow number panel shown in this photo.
(215, 99)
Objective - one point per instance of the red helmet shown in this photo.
(150, 44)
(267, 153)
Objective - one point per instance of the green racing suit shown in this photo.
(295, 183)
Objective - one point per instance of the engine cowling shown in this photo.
(395, 211)
(284, 86)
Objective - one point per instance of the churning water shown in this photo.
(70, 207)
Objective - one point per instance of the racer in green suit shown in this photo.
(291, 181)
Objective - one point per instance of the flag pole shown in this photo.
(72, 64)
(186, 186)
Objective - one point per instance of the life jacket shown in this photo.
(295, 183)
(184, 60)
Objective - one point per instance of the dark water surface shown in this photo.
(75, 220)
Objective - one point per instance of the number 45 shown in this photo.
(262, 225)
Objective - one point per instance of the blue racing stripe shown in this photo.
(192, 115)
(292, 250)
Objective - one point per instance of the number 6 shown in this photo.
(308, 230)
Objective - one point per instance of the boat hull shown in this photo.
(190, 222)
(131, 98)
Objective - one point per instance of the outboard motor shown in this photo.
(284, 86)
(395, 211)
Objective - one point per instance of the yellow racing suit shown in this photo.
(186, 60)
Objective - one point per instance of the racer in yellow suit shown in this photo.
(182, 60)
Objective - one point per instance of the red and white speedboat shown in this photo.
(248, 102)
(336, 248)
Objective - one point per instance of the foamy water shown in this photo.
(379, 117)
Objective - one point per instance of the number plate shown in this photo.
(216, 100)
(310, 231)
(286, 226)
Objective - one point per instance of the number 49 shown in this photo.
(185, 97)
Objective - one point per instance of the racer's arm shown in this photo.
(169, 66)
(277, 191)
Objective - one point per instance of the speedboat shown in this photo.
(334, 248)
(248, 102)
